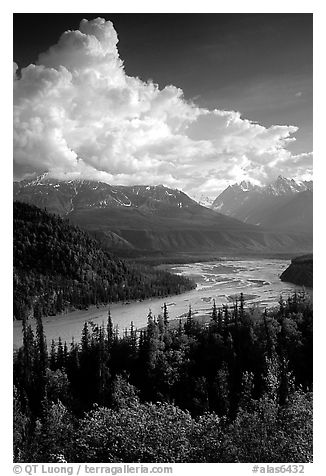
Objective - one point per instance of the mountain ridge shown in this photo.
(103, 194)
(145, 217)
(285, 204)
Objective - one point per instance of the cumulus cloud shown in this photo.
(77, 114)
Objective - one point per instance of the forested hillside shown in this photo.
(58, 267)
(300, 271)
(237, 390)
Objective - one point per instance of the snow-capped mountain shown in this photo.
(203, 199)
(150, 218)
(285, 203)
(284, 186)
(63, 197)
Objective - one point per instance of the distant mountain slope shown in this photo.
(151, 218)
(65, 197)
(203, 199)
(295, 213)
(284, 205)
(300, 271)
(58, 266)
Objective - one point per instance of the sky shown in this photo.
(193, 101)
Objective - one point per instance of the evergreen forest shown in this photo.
(235, 389)
(58, 267)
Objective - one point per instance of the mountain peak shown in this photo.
(284, 186)
(64, 197)
(37, 180)
(284, 203)
(246, 185)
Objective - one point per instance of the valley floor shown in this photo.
(156, 259)
(217, 280)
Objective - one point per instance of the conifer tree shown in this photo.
(150, 324)
(103, 373)
(295, 302)
(53, 356)
(150, 316)
(286, 381)
(165, 315)
(73, 362)
(268, 337)
(189, 321)
(241, 307)
(109, 329)
(28, 355)
(214, 312)
(281, 307)
(180, 327)
(226, 317)
(39, 361)
(160, 325)
(65, 354)
(115, 337)
(133, 337)
(142, 348)
(41, 344)
(85, 340)
(236, 313)
(220, 322)
(60, 354)
(141, 339)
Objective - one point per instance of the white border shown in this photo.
(173, 6)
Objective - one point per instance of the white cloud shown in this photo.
(77, 114)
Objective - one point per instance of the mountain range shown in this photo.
(285, 204)
(152, 218)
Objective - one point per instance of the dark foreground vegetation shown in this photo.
(236, 390)
(59, 267)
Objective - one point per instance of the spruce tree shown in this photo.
(226, 316)
(281, 307)
(65, 354)
(28, 356)
(236, 313)
(103, 374)
(165, 315)
(133, 337)
(85, 340)
(73, 363)
(220, 322)
(151, 326)
(41, 344)
(60, 354)
(268, 337)
(214, 312)
(241, 307)
(189, 321)
(160, 325)
(180, 327)
(109, 329)
(53, 356)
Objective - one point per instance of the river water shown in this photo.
(223, 281)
